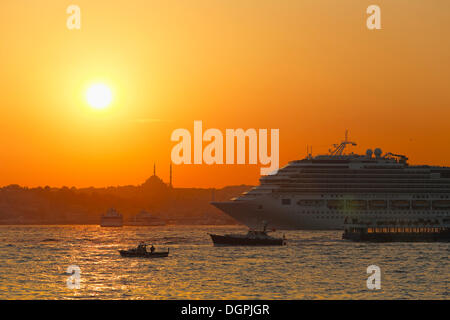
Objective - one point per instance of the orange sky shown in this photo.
(309, 68)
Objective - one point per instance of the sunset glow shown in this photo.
(99, 96)
(228, 152)
(310, 70)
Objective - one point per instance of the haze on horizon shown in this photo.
(309, 68)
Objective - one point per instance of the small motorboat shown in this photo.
(141, 251)
(252, 238)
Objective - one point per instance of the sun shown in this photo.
(99, 96)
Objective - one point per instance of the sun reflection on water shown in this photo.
(314, 265)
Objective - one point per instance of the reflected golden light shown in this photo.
(99, 96)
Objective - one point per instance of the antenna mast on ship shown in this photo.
(339, 149)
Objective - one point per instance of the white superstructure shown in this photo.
(144, 218)
(319, 192)
(111, 218)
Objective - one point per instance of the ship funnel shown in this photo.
(378, 152)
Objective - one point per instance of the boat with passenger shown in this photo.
(141, 251)
(252, 238)
(434, 229)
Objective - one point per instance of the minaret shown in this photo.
(170, 183)
(154, 169)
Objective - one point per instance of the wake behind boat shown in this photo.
(141, 251)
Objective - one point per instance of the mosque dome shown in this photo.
(155, 183)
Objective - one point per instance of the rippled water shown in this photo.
(314, 265)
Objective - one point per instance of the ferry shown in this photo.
(111, 218)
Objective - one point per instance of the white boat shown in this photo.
(318, 192)
(111, 218)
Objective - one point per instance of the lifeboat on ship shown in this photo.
(400, 204)
(357, 204)
(377, 204)
(421, 204)
(310, 203)
(336, 204)
(441, 204)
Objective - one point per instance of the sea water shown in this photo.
(314, 265)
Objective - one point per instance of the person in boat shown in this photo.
(264, 227)
(152, 249)
(142, 247)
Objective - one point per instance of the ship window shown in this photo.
(285, 202)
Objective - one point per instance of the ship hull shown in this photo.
(250, 214)
(392, 237)
(111, 223)
(145, 224)
(219, 240)
(254, 213)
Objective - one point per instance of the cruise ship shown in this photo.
(319, 192)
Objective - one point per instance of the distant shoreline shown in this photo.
(162, 202)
